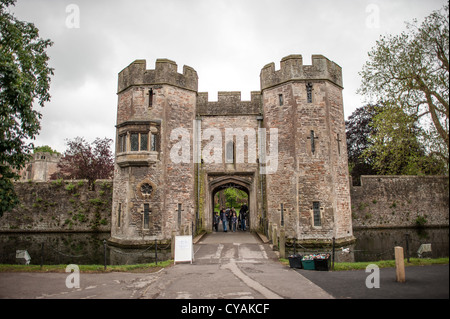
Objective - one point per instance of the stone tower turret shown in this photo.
(147, 196)
(309, 193)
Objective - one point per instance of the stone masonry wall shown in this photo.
(400, 201)
(60, 206)
(380, 202)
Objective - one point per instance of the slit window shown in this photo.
(150, 98)
(309, 87)
(146, 216)
(316, 213)
(280, 99)
(119, 213)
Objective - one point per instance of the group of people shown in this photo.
(230, 219)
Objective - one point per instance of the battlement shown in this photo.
(292, 68)
(165, 72)
(229, 103)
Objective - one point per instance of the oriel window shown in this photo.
(138, 142)
(154, 142)
(122, 143)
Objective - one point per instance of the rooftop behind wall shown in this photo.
(292, 68)
(165, 72)
(229, 103)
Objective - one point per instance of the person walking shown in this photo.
(230, 217)
(234, 221)
(224, 220)
(216, 221)
(243, 215)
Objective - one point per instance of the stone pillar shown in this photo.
(274, 237)
(282, 243)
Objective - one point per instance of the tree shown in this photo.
(359, 130)
(395, 148)
(411, 71)
(82, 160)
(45, 149)
(24, 77)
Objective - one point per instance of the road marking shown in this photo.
(250, 282)
(261, 247)
(218, 251)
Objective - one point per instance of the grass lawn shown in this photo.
(152, 267)
(383, 263)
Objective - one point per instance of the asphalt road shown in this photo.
(229, 266)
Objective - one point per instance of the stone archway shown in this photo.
(218, 182)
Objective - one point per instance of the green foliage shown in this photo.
(70, 187)
(24, 77)
(410, 72)
(421, 221)
(396, 148)
(234, 196)
(58, 182)
(97, 202)
(45, 149)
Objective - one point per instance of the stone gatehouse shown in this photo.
(285, 148)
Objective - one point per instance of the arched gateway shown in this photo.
(285, 148)
(242, 182)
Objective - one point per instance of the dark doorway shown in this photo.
(231, 196)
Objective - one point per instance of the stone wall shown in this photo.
(60, 206)
(380, 202)
(400, 201)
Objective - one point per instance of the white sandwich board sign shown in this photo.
(184, 249)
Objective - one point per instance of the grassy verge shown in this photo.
(383, 263)
(151, 267)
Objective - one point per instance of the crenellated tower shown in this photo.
(161, 115)
(149, 188)
(309, 194)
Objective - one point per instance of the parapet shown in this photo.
(165, 72)
(229, 103)
(292, 68)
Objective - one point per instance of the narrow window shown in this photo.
(153, 142)
(150, 98)
(144, 141)
(179, 215)
(312, 139)
(134, 142)
(309, 92)
(119, 213)
(316, 213)
(146, 216)
(280, 99)
(229, 154)
(122, 143)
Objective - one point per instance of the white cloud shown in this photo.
(227, 42)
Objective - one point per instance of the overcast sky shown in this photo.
(226, 41)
